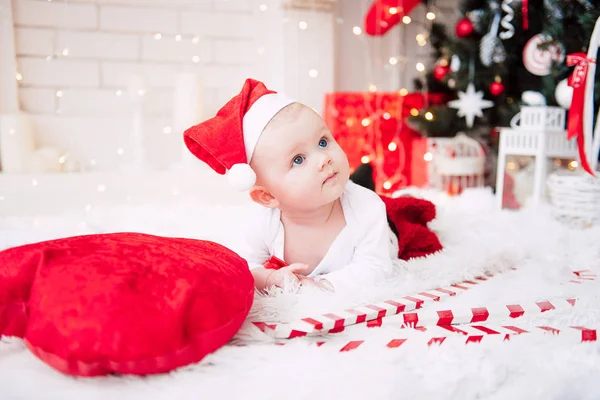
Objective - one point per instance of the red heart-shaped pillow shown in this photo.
(126, 303)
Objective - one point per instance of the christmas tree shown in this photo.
(497, 52)
(569, 24)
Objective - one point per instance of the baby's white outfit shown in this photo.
(360, 255)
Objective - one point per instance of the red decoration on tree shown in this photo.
(384, 14)
(525, 12)
(497, 88)
(440, 71)
(464, 28)
(575, 123)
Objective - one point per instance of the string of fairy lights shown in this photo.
(395, 60)
(64, 52)
(374, 150)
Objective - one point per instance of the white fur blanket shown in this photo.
(477, 239)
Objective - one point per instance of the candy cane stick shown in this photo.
(336, 321)
(470, 334)
(586, 272)
(480, 314)
(583, 275)
(472, 315)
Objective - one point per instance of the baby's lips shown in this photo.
(329, 177)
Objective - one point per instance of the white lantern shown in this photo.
(548, 119)
(537, 144)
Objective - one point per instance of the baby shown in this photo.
(331, 232)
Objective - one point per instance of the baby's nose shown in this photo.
(325, 160)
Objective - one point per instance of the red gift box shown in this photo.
(420, 172)
(370, 127)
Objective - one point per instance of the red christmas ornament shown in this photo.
(497, 88)
(440, 71)
(464, 28)
(383, 15)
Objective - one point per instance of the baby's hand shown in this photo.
(291, 272)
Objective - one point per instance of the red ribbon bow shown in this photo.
(575, 125)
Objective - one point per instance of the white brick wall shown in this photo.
(169, 49)
(98, 45)
(59, 72)
(218, 24)
(226, 51)
(34, 42)
(137, 20)
(184, 4)
(97, 102)
(116, 74)
(105, 102)
(38, 100)
(233, 5)
(87, 50)
(55, 14)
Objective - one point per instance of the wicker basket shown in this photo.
(575, 197)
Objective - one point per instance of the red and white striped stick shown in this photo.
(481, 314)
(583, 334)
(583, 276)
(471, 315)
(336, 321)
(468, 334)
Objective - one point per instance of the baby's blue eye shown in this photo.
(323, 143)
(298, 160)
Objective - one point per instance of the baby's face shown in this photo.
(298, 161)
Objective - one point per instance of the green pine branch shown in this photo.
(567, 22)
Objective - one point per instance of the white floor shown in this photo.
(477, 239)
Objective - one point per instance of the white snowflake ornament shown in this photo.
(470, 104)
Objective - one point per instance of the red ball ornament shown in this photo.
(440, 71)
(497, 88)
(464, 28)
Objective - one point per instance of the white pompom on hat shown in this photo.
(227, 141)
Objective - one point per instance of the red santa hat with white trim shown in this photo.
(227, 141)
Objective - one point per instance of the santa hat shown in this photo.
(227, 141)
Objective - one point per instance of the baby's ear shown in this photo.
(260, 195)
